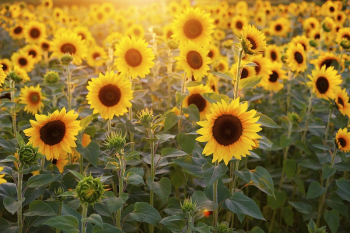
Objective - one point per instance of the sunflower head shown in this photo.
(223, 227)
(66, 59)
(51, 77)
(145, 116)
(28, 155)
(188, 207)
(296, 58)
(90, 190)
(345, 44)
(253, 41)
(32, 98)
(313, 43)
(342, 139)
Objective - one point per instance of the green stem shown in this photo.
(43, 163)
(322, 199)
(13, 89)
(109, 125)
(341, 57)
(130, 119)
(183, 86)
(328, 123)
(307, 120)
(215, 199)
(19, 198)
(190, 220)
(169, 69)
(59, 214)
(81, 164)
(84, 215)
(121, 190)
(233, 189)
(238, 75)
(69, 88)
(288, 89)
(151, 195)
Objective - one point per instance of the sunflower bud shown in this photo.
(227, 44)
(327, 24)
(145, 117)
(158, 30)
(173, 44)
(51, 77)
(313, 43)
(90, 190)
(15, 77)
(28, 155)
(293, 117)
(345, 43)
(66, 59)
(223, 228)
(115, 141)
(58, 192)
(188, 208)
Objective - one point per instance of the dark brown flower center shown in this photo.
(197, 100)
(342, 142)
(312, 25)
(109, 95)
(4, 67)
(239, 25)
(82, 36)
(298, 57)
(95, 55)
(210, 54)
(278, 27)
(322, 85)
(54, 161)
(193, 28)
(68, 48)
(169, 34)
(133, 57)
(331, 9)
(227, 129)
(339, 17)
(340, 101)
(45, 46)
(34, 97)
(194, 60)
(328, 62)
(137, 32)
(213, 87)
(34, 33)
(22, 61)
(32, 52)
(257, 68)
(317, 36)
(53, 132)
(273, 56)
(346, 37)
(244, 73)
(18, 30)
(273, 77)
(252, 42)
(100, 16)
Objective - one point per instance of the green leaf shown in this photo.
(193, 113)
(161, 188)
(301, 207)
(94, 219)
(86, 121)
(203, 201)
(172, 153)
(39, 208)
(20, 140)
(288, 215)
(193, 84)
(226, 75)
(249, 82)
(7, 146)
(256, 229)
(134, 178)
(250, 64)
(11, 205)
(320, 146)
(40, 180)
(241, 204)
(171, 119)
(90, 153)
(328, 171)
(106, 228)
(174, 223)
(77, 175)
(214, 97)
(289, 167)
(284, 141)
(332, 218)
(179, 97)
(69, 224)
(213, 173)
(278, 200)
(186, 141)
(191, 165)
(315, 190)
(262, 180)
(113, 203)
(164, 137)
(266, 121)
(144, 212)
(343, 189)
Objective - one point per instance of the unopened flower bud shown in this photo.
(28, 155)
(90, 190)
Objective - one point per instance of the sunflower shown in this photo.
(214, 52)
(229, 130)
(212, 83)
(340, 17)
(252, 40)
(342, 138)
(220, 65)
(96, 56)
(343, 33)
(195, 25)
(54, 133)
(273, 82)
(69, 42)
(342, 101)
(17, 32)
(61, 161)
(273, 52)
(84, 33)
(315, 34)
(21, 73)
(194, 60)
(303, 40)
(219, 34)
(2, 75)
(109, 95)
(23, 60)
(324, 82)
(133, 57)
(246, 71)
(168, 32)
(260, 19)
(135, 31)
(329, 8)
(47, 3)
(174, 8)
(280, 27)
(262, 67)
(197, 99)
(2, 180)
(237, 24)
(34, 32)
(34, 51)
(108, 8)
(44, 45)
(326, 59)
(6, 65)
(296, 58)
(310, 24)
(32, 98)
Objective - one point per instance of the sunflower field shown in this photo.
(175, 116)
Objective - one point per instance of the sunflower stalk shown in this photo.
(151, 195)
(121, 189)
(19, 198)
(215, 199)
(341, 57)
(322, 198)
(238, 74)
(169, 69)
(328, 123)
(183, 86)
(69, 88)
(307, 119)
(236, 167)
(13, 89)
(84, 215)
(59, 214)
